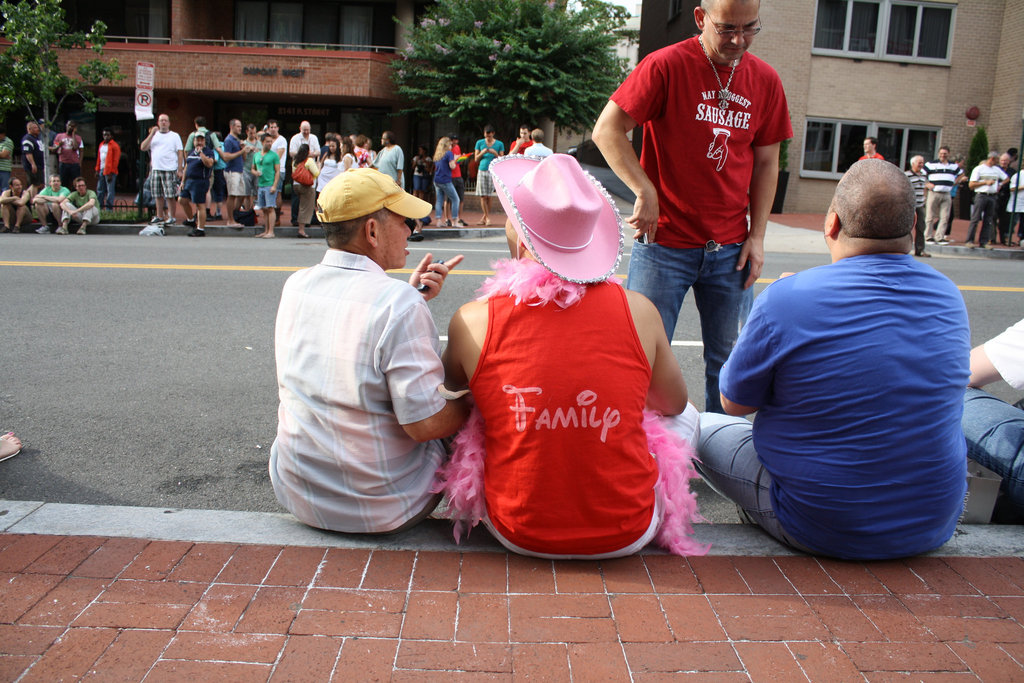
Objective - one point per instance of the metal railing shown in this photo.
(273, 44)
(157, 40)
(277, 44)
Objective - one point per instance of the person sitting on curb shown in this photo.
(80, 207)
(47, 204)
(562, 362)
(14, 207)
(857, 450)
(361, 416)
(995, 429)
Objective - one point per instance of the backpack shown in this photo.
(245, 217)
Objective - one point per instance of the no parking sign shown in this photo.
(145, 75)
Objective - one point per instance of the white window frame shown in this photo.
(882, 34)
(871, 131)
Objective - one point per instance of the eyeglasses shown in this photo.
(746, 32)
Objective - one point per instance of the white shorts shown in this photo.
(235, 183)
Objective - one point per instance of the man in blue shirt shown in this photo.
(857, 450)
(196, 183)
(234, 172)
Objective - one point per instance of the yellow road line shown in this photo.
(289, 269)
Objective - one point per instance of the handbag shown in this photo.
(302, 175)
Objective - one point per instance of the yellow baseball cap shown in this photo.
(363, 191)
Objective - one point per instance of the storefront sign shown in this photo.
(272, 72)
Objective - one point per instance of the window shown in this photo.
(901, 30)
(832, 146)
(284, 24)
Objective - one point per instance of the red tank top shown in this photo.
(562, 393)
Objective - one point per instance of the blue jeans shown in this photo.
(995, 439)
(664, 275)
(5, 180)
(442, 190)
(105, 190)
(729, 464)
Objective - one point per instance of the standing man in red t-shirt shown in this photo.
(870, 150)
(713, 117)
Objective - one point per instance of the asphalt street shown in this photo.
(141, 372)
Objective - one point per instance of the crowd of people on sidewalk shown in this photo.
(63, 202)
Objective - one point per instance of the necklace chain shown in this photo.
(723, 91)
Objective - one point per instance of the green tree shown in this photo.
(978, 151)
(30, 73)
(481, 61)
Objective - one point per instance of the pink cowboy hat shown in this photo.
(564, 216)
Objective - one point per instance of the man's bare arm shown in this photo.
(667, 391)
(735, 409)
(610, 137)
(763, 181)
(982, 370)
(442, 423)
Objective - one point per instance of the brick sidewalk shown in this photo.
(131, 609)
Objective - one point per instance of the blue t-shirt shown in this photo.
(485, 160)
(859, 370)
(442, 173)
(194, 167)
(232, 145)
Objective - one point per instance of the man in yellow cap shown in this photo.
(358, 369)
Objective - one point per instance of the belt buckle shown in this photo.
(712, 246)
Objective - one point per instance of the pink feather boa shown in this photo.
(461, 479)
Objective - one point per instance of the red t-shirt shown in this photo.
(562, 393)
(699, 157)
(521, 149)
(876, 155)
(456, 152)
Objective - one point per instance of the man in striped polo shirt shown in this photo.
(943, 174)
(918, 179)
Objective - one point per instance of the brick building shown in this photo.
(904, 71)
(325, 62)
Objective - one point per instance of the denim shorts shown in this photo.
(265, 199)
(195, 190)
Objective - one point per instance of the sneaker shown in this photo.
(196, 232)
(448, 224)
(62, 230)
(155, 219)
(167, 223)
(461, 223)
(943, 241)
(990, 245)
(81, 231)
(416, 237)
(930, 240)
(43, 230)
(189, 222)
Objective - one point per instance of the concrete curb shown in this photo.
(273, 528)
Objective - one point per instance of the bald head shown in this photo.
(874, 200)
(710, 5)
